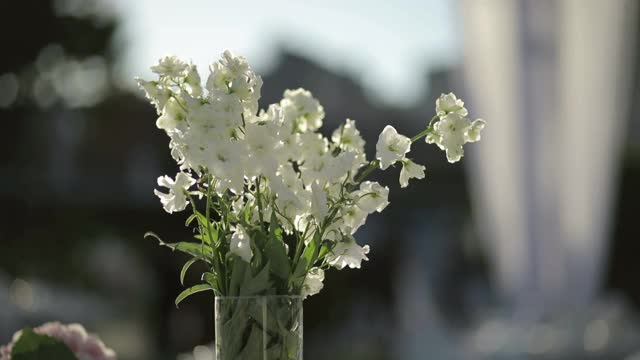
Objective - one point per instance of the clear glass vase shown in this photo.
(258, 328)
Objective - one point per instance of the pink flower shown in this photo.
(85, 346)
(5, 352)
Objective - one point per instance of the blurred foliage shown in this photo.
(32, 346)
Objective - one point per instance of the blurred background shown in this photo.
(528, 250)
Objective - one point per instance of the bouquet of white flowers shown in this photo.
(274, 202)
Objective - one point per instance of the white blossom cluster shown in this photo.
(257, 166)
(453, 129)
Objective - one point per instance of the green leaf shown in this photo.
(265, 319)
(186, 267)
(254, 345)
(298, 276)
(210, 237)
(192, 290)
(255, 285)
(324, 250)
(193, 249)
(190, 219)
(258, 238)
(153, 235)
(274, 229)
(215, 235)
(310, 253)
(275, 251)
(292, 347)
(210, 278)
(202, 220)
(32, 346)
(237, 322)
(196, 250)
(246, 213)
(301, 269)
(203, 225)
(237, 274)
(257, 259)
(308, 258)
(199, 237)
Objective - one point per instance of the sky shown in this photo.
(386, 45)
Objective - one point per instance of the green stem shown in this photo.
(420, 135)
(298, 252)
(372, 166)
(432, 120)
(216, 262)
(427, 131)
(259, 198)
(293, 226)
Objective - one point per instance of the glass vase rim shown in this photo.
(249, 297)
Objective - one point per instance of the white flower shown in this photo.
(372, 197)
(347, 253)
(193, 80)
(319, 208)
(274, 114)
(230, 68)
(315, 168)
(157, 95)
(410, 170)
(172, 115)
(452, 131)
(176, 199)
(293, 206)
(432, 138)
(391, 147)
(317, 163)
(191, 149)
(348, 137)
(170, 66)
(251, 101)
(226, 161)
(292, 199)
(228, 103)
(262, 144)
(291, 144)
(232, 75)
(241, 244)
(288, 177)
(353, 217)
(314, 144)
(339, 166)
(473, 133)
(306, 109)
(313, 282)
(449, 103)
(237, 206)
